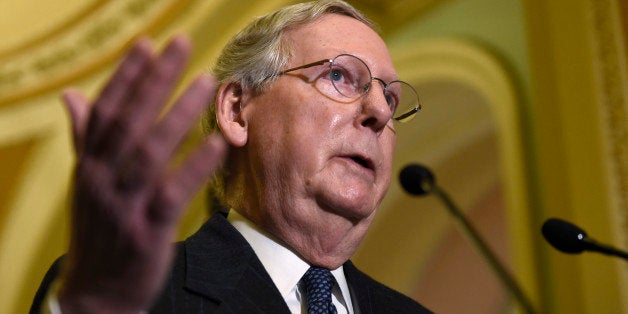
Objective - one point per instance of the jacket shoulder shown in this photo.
(375, 297)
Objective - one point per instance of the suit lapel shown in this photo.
(223, 267)
(359, 288)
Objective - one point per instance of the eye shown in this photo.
(336, 75)
(344, 80)
(341, 76)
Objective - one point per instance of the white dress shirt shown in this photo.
(286, 268)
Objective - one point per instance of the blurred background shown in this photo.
(525, 118)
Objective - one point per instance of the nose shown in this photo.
(375, 110)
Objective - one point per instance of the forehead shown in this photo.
(333, 34)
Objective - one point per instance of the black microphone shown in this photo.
(569, 238)
(418, 180)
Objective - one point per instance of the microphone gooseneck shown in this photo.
(418, 180)
(569, 238)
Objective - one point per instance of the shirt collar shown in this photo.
(284, 266)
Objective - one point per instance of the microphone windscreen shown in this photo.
(564, 236)
(416, 179)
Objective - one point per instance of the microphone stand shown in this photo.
(595, 246)
(501, 272)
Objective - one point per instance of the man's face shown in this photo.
(319, 168)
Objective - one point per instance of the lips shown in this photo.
(362, 161)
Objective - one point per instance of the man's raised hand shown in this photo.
(127, 195)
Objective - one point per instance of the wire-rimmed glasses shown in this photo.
(352, 78)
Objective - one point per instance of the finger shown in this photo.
(177, 189)
(77, 105)
(115, 94)
(158, 148)
(150, 97)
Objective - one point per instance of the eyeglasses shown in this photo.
(352, 78)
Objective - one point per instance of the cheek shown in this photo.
(387, 142)
(312, 128)
(388, 149)
(294, 136)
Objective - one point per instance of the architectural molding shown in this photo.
(91, 42)
(612, 84)
(612, 79)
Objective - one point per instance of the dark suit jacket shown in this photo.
(217, 271)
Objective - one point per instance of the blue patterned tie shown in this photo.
(318, 282)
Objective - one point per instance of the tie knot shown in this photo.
(318, 282)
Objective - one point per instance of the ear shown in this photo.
(229, 114)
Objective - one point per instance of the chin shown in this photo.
(353, 205)
(353, 210)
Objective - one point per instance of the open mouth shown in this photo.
(364, 162)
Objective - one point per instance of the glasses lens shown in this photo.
(405, 98)
(349, 75)
(351, 78)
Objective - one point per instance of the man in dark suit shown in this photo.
(307, 102)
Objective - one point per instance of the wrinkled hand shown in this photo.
(127, 195)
